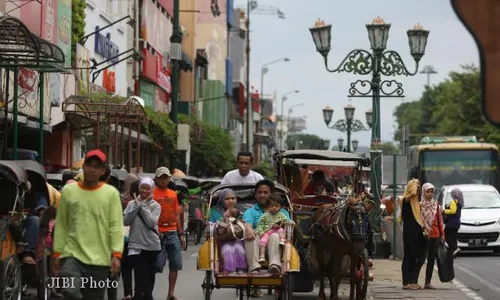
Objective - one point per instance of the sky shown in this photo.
(449, 46)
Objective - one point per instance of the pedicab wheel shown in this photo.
(364, 267)
(207, 286)
(43, 280)
(197, 232)
(10, 279)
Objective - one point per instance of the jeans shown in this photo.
(171, 250)
(31, 228)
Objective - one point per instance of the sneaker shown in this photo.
(282, 242)
(262, 259)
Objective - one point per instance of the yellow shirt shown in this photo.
(453, 208)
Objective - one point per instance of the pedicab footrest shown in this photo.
(262, 279)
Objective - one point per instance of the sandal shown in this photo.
(429, 287)
(256, 293)
(28, 260)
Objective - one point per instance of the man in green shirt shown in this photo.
(88, 235)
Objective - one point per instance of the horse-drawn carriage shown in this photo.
(333, 226)
(22, 184)
(211, 262)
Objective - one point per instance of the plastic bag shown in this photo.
(444, 259)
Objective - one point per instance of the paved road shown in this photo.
(189, 284)
(480, 272)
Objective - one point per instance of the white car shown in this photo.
(480, 220)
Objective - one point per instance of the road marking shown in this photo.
(487, 283)
(464, 289)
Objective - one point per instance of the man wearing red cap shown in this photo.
(88, 239)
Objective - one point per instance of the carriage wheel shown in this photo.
(43, 279)
(10, 279)
(197, 232)
(285, 292)
(364, 266)
(207, 285)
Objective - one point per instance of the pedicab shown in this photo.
(118, 178)
(13, 187)
(206, 185)
(288, 165)
(38, 274)
(55, 179)
(210, 262)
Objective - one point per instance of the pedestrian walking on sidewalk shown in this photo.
(414, 236)
(453, 213)
(431, 215)
(88, 237)
(170, 228)
(142, 216)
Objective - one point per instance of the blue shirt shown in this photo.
(253, 214)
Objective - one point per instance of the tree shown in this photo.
(389, 148)
(77, 25)
(304, 141)
(451, 108)
(211, 149)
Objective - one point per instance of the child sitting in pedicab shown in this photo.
(271, 222)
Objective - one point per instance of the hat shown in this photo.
(162, 171)
(96, 153)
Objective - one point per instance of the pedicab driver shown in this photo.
(244, 173)
(88, 239)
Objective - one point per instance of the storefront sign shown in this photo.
(29, 96)
(64, 19)
(163, 77)
(49, 20)
(82, 69)
(109, 81)
(105, 47)
(148, 94)
(156, 29)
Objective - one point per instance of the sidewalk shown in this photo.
(387, 285)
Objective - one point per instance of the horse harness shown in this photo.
(332, 219)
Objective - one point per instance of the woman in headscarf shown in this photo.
(453, 214)
(142, 216)
(433, 223)
(414, 236)
(126, 195)
(232, 252)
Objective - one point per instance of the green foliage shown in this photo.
(77, 25)
(161, 131)
(211, 148)
(452, 107)
(309, 141)
(265, 169)
(389, 148)
(103, 97)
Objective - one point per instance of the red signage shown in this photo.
(168, 5)
(149, 65)
(162, 76)
(109, 81)
(31, 12)
(49, 20)
(255, 100)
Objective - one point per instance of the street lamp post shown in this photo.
(377, 62)
(349, 125)
(340, 143)
(283, 99)
(290, 110)
(355, 144)
(263, 71)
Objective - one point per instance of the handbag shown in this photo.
(230, 230)
(444, 258)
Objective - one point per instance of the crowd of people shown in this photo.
(104, 235)
(426, 226)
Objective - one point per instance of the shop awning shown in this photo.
(20, 48)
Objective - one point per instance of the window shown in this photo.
(109, 7)
(478, 199)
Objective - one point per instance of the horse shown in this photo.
(339, 230)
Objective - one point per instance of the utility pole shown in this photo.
(176, 56)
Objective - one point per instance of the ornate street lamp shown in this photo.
(355, 145)
(376, 63)
(349, 125)
(340, 143)
(369, 117)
